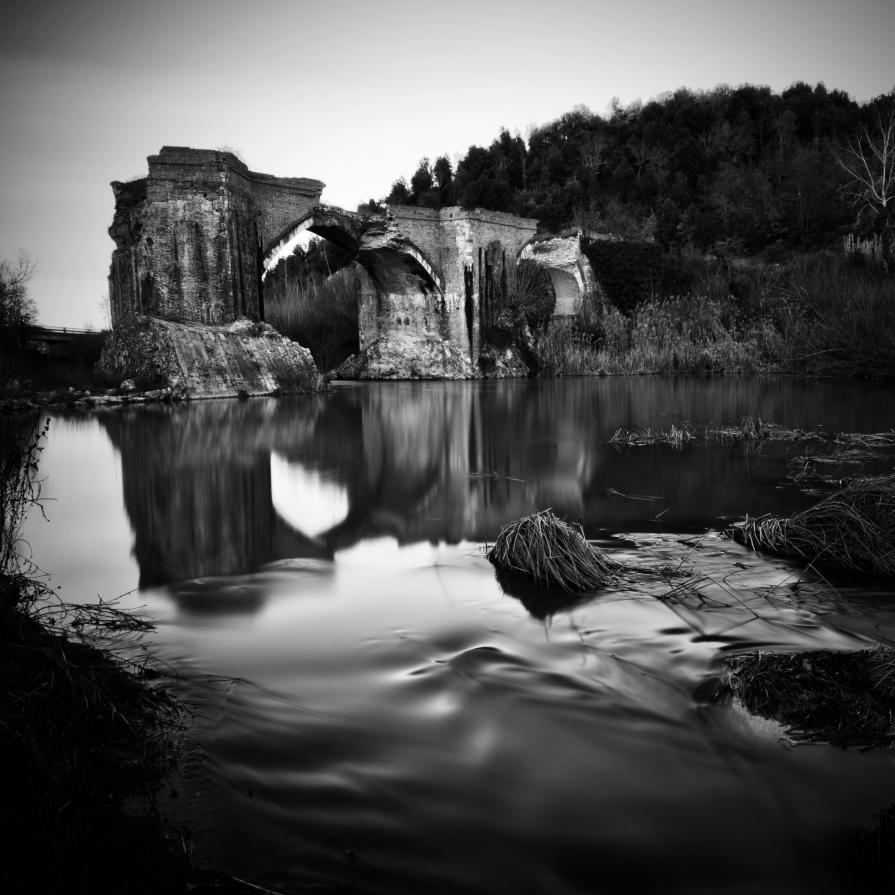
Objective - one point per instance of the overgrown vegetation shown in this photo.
(817, 315)
(313, 297)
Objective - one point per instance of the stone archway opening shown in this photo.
(312, 288)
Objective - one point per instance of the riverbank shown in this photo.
(86, 738)
(86, 744)
(88, 735)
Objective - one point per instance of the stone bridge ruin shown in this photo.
(195, 239)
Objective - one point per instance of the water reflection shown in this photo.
(223, 488)
(377, 716)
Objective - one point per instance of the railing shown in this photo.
(55, 332)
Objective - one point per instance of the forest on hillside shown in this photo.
(731, 170)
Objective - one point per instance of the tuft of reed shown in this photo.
(845, 698)
(852, 529)
(552, 552)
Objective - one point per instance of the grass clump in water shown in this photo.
(843, 698)
(751, 428)
(676, 437)
(852, 529)
(552, 552)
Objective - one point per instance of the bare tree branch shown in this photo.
(869, 160)
(17, 308)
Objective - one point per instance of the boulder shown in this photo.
(202, 361)
(409, 356)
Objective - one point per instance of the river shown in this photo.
(372, 713)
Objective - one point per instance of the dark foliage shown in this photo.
(36, 366)
(629, 272)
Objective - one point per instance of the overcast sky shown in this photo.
(353, 93)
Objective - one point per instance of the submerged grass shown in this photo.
(552, 552)
(844, 698)
(852, 529)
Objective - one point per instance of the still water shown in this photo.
(373, 714)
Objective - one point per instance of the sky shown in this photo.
(353, 93)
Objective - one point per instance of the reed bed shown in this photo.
(552, 552)
(845, 698)
(676, 437)
(853, 529)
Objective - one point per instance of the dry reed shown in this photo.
(853, 529)
(552, 552)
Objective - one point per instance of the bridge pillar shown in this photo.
(188, 236)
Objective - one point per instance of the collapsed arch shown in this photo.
(568, 268)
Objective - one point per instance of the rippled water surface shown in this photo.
(374, 714)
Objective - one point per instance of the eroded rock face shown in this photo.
(199, 361)
(406, 356)
(510, 350)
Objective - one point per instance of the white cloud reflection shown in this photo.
(306, 500)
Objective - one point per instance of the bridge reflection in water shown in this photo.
(223, 488)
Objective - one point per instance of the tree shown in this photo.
(423, 191)
(370, 208)
(422, 180)
(869, 161)
(400, 193)
(444, 178)
(17, 308)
